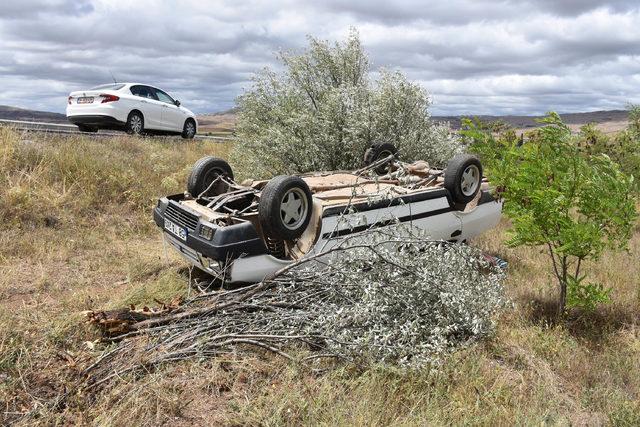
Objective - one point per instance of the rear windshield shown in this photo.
(110, 86)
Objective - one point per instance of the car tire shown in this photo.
(189, 129)
(379, 151)
(204, 172)
(87, 129)
(463, 178)
(285, 207)
(135, 123)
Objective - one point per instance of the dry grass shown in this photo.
(77, 234)
(220, 124)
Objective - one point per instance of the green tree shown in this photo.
(574, 204)
(322, 111)
(626, 146)
(623, 147)
(593, 141)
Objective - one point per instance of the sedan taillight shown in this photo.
(109, 98)
(69, 100)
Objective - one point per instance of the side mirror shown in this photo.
(177, 103)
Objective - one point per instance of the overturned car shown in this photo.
(245, 232)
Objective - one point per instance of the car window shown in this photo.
(162, 96)
(143, 91)
(150, 93)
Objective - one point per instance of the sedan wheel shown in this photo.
(189, 130)
(135, 124)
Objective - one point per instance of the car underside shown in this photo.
(244, 232)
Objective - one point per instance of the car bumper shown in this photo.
(246, 269)
(98, 111)
(96, 120)
(227, 243)
(235, 253)
(216, 269)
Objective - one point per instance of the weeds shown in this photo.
(54, 177)
(104, 251)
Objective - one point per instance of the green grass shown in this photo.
(77, 234)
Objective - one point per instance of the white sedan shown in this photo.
(133, 107)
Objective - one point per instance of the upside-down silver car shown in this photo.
(245, 232)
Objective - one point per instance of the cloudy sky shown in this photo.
(473, 56)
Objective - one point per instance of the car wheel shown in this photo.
(377, 152)
(135, 123)
(285, 207)
(189, 129)
(204, 172)
(463, 178)
(89, 129)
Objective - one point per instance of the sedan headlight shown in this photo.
(206, 232)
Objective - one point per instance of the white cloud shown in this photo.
(474, 56)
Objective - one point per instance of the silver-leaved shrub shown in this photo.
(397, 299)
(323, 110)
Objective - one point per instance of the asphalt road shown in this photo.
(73, 130)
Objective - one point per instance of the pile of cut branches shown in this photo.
(389, 298)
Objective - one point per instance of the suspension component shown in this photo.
(275, 247)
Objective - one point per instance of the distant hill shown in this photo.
(14, 113)
(224, 122)
(218, 123)
(608, 121)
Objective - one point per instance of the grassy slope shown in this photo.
(77, 234)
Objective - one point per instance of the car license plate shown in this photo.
(176, 230)
(85, 100)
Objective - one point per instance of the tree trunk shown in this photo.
(562, 301)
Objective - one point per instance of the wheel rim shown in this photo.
(470, 180)
(293, 208)
(136, 123)
(191, 129)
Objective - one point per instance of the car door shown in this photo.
(172, 116)
(429, 211)
(149, 105)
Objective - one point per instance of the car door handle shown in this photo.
(144, 101)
